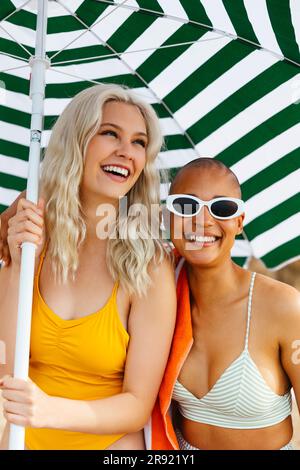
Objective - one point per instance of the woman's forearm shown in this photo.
(4, 438)
(122, 413)
(9, 289)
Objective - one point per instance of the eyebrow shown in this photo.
(120, 128)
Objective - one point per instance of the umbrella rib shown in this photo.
(134, 72)
(148, 10)
(137, 93)
(15, 11)
(87, 28)
(89, 80)
(6, 18)
(106, 56)
(15, 40)
(14, 56)
(204, 25)
(14, 68)
(75, 76)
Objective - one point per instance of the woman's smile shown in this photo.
(203, 241)
(116, 172)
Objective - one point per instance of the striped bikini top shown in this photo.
(240, 398)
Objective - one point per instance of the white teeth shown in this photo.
(192, 238)
(116, 169)
(200, 239)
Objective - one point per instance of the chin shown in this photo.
(198, 257)
(110, 195)
(201, 260)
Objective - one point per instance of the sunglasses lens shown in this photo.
(185, 206)
(224, 208)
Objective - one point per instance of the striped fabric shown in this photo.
(240, 398)
(223, 76)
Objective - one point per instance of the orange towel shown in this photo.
(163, 436)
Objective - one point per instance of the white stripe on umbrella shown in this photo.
(154, 36)
(272, 196)
(241, 248)
(8, 62)
(276, 236)
(217, 14)
(186, 63)
(25, 36)
(14, 133)
(176, 158)
(257, 12)
(8, 196)
(267, 154)
(13, 166)
(295, 16)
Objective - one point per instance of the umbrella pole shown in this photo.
(37, 90)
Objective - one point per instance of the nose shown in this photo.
(204, 218)
(124, 149)
(208, 218)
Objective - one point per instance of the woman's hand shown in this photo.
(4, 218)
(26, 226)
(25, 404)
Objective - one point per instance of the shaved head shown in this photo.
(210, 165)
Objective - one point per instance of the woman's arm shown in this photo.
(26, 225)
(9, 288)
(4, 218)
(151, 326)
(290, 338)
(4, 438)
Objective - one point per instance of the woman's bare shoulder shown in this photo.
(278, 298)
(162, 279)
(166, 264)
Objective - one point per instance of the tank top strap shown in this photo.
(249, 308)
(42, 256)
(115, 289)
(113, 296)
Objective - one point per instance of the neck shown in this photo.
(99, 215)
(212, 284)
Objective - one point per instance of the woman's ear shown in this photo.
(240, 224)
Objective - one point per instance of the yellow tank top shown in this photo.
(81, 359)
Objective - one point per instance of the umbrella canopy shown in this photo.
(223, 76)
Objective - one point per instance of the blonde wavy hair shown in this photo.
(62, 171)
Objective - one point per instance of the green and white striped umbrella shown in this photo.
(223, 76)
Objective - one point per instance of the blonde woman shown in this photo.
(99, 306)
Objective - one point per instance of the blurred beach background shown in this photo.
(291, 275)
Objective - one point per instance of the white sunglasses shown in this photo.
(223, 208)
